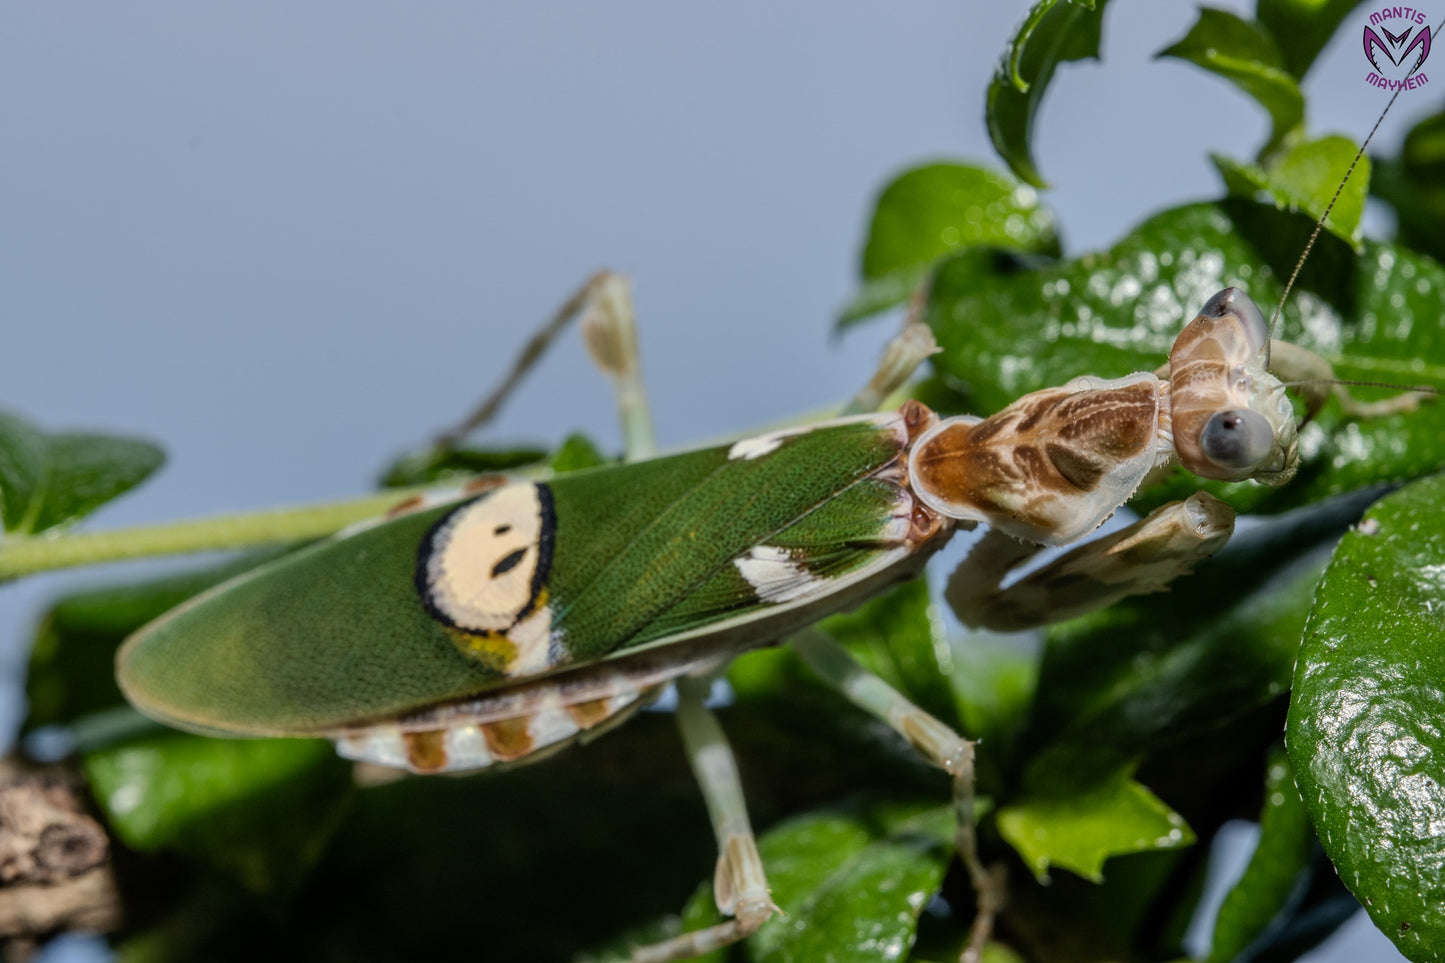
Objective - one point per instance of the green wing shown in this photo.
(460, 599)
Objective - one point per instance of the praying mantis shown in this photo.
(496, 633)
(508, 619)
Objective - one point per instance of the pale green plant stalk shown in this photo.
(27, 555)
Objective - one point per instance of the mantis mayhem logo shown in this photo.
(1397, 41)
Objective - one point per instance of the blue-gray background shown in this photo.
(287, 240)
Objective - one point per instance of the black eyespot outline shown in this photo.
(546, 542)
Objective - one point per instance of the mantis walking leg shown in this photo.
(739, 882)
(936, 742)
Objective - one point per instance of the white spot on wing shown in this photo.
(774, 575)
(760, 445)
(533, 638)
(750, 448)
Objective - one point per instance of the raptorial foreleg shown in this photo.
(1140, 558)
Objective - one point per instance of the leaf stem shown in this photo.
(42, 553)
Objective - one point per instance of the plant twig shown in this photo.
(42, 553)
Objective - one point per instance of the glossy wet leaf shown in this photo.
(230, 804)
(1009, 327)
(1078, 823)
(852, 879)
(1271, 881)
(927, 212)
(1134, 681)
(49, 479)
(1302, 27)
(1414, 185)
(1245, 54)
(1053, 33)
(1142, 675)
(931, 210)
(1364, 730)
(1304, 178)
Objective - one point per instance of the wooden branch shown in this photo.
(55, 870)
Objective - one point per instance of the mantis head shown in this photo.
(1232, 419)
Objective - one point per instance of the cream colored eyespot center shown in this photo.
(482, 573)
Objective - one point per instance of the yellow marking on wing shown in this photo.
(492, 649)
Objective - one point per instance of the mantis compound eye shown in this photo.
(1233, 301)
(1237, 438)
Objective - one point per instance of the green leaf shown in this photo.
(880, 294)
(1008, 328)
(1305, 178)
(49, 479)
(976, 687)
(431, 465)
(1271, 880)
(1364, 729)
(994, 686)
(1302, 27)
(231, 804)
(1055, 32)
(1140, 676)
(845, 746)
(451, 868)
(1247, 56)
(1079, 827)
(1414, 185)
(428, 465)
(852, 879)
(931, 210)
(576, 453)
(899, 637)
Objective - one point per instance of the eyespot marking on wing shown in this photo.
(482, 572)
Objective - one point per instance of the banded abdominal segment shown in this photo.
(463, 745)
(527, 721)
